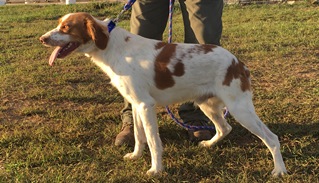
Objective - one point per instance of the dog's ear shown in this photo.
(97, 34)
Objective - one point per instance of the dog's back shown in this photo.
(168, 72)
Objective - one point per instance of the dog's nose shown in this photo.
(43, 39)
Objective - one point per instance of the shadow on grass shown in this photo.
(171, 132)
(297, 140)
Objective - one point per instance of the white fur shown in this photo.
(130, 66)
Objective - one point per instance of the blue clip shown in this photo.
(111, 26)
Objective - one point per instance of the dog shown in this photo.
(150, 72)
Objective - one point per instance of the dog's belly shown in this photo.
(179, 95)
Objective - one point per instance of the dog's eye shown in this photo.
(64, 28)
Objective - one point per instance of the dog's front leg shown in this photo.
(147, 113)
(139, 136)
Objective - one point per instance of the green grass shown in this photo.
(58, 124)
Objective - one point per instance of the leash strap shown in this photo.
(187, 127)
(126, 7)
(170, 22)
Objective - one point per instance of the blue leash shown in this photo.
(170, 21)
(111, 26)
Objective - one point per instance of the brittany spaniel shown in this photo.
(150, 72)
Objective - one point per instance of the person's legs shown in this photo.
(148, 19)
(202, 20)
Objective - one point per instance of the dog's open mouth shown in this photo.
(63, 51)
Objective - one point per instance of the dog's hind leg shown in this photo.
(242, 109)
(139, 137)
(213, 109)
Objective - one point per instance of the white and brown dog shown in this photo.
(150, 72)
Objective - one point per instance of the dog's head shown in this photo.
(75, 31)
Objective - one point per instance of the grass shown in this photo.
(58, 124)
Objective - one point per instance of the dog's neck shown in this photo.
(121, 48)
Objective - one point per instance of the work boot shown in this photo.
(126, 136)
(193, 116)
(199, 135)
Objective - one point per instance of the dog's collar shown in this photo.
(111, 26)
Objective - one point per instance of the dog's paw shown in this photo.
(205, 143)
(131, 156)
(279, 173)
(153, 172)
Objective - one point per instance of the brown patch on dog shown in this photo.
(163, 76)
(235, 71)
(199, 49)
(127, 39)
(194, 49)
(160, 45)
(207, 48)
(179, 69)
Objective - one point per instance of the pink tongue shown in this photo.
(54, 55)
